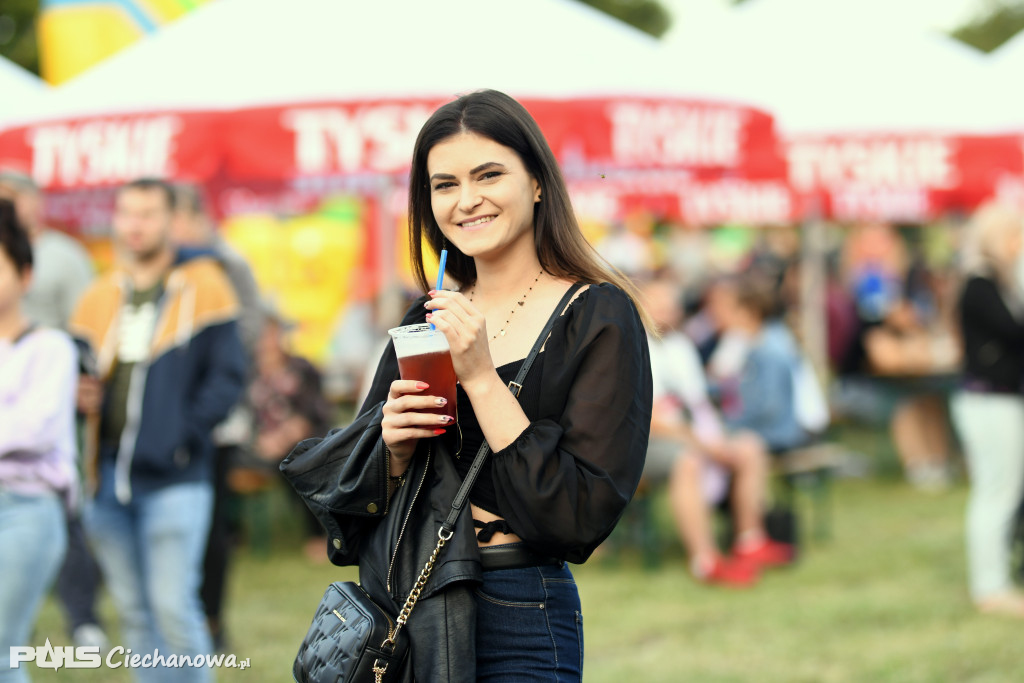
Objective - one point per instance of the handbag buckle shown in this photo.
(515, 388)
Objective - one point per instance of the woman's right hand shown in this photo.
(405, 421)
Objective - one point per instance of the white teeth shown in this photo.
(478, 221)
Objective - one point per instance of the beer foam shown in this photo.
(414, 340)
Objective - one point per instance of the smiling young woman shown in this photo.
(567, 450)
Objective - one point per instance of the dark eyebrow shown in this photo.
(485, 165)
(473, 171)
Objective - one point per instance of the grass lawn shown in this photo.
(884, 600)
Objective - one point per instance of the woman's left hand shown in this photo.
(465, 329)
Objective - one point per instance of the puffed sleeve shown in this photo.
(565, 481)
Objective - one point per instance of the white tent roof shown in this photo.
(244, 52)
(838, 66)
(1007, 67)
(22, 90)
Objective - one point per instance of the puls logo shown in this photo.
(49, 657)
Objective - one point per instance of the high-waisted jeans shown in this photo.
(529, 626)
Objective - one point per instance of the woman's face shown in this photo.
(12, 283)
(481, 195)
(721, 305)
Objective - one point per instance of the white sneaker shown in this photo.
(930, 478)
(91, 635)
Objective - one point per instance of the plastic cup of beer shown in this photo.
(424, 356)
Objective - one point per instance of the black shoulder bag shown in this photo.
(352, 638)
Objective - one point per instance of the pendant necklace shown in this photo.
(501, 332)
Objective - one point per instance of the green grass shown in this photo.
(884, 600)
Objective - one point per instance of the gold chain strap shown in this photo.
(417, 589)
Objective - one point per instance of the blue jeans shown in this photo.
(151, 554)
(529, 626)
(33, 538)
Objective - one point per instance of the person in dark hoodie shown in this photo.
(170, 366)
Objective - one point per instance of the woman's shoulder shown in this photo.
(976, 280)
(600, 307)
(605, 298)
(50, 336)
(50, 341)
(979, 288)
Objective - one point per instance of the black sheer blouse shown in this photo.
(483, 494)
(565, 481)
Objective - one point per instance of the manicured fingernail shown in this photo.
(438, 432)
(422, 385)
(426, 304)
(432, 292)
(442, 401)
(430, 315)
(445, 419)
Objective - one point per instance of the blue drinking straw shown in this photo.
(440, 275)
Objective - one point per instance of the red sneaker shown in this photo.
(768, 554)
(731, 573)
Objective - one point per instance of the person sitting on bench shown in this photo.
(698, 458)
(754, 366)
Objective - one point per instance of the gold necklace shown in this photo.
(501, 332)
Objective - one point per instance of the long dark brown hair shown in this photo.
(561, 247)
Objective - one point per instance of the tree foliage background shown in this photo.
(18, 32)
(647, 15)
(996, 23)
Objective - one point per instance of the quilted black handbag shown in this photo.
(352, 639)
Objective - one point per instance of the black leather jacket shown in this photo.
(342, 479)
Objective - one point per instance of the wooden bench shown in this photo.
(809, 471)
(637, 528)
(251, 489)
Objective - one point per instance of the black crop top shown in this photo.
(482, 494)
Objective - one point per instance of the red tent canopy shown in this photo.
(663, 153)
(902, 177)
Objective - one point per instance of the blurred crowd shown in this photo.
(138, 405)
(180, 394)
(923, 336)
(890, 354)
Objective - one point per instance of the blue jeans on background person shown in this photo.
(529, 626)
(33, 538)
(151, 554)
